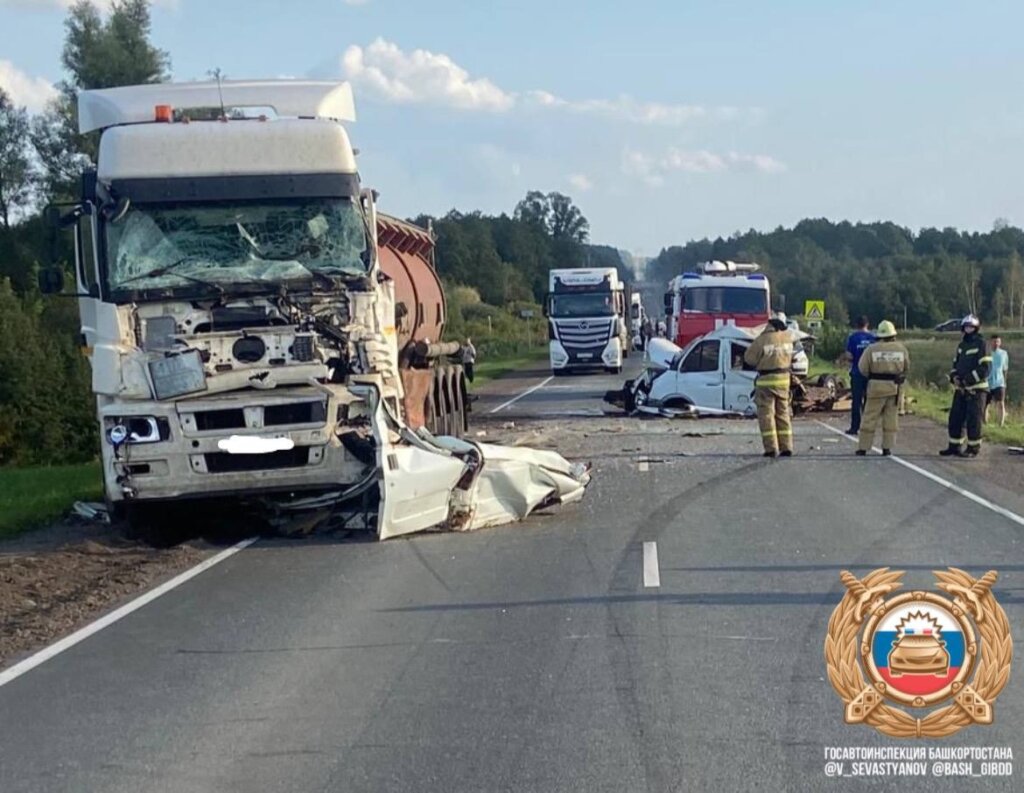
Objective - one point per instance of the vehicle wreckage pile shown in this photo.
(259, 333)
(708, 378)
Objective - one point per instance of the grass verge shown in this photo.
(31, 497)
(934, 404)
(494, 368)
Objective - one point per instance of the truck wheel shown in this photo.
(158, 525)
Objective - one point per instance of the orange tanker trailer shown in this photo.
(432, 378)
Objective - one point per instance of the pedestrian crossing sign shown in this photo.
(814, 309)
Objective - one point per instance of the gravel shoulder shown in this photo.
(55, 580)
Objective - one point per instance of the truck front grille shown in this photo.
(224, 463)
(229, 419)
(588, 333)
(295, 413)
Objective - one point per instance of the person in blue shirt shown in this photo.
(856, 343)
(997, 379)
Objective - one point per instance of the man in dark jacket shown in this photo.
(969, 377)
(856, 343)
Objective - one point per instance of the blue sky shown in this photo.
(664, 121)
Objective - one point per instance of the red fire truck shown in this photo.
(719, 293)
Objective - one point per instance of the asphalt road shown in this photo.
(531, 657)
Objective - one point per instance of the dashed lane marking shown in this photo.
(527, 392)
(652, 575)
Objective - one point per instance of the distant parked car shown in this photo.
(949, 324)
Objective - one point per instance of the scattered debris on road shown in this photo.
(90, 511)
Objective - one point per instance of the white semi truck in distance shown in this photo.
(588, 319)
(637, 318)
(255, 329)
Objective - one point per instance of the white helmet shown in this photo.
(971, 320)
(779, 316)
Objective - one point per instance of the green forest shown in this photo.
(877, 269)
(493, 266)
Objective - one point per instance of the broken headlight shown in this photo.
(137, 429)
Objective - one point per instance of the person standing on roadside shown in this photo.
(856, 343)
(969, 377)
(884, 365)
(771, 354)
(468, 359)
(997, 379)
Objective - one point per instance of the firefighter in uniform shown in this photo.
(884, 364)
(969, 377)
(771, 354)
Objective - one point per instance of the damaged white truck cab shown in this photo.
(242, 322)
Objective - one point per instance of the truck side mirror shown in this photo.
(51, 280)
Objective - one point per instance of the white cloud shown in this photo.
(653, 170)
(581, 182)
(355, 2)
(32, 92)
(626, 108)
(420, 77)
(387, 72)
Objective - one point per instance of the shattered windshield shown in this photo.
(160, 246)
(582, 304)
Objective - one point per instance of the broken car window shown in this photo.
(702, 358)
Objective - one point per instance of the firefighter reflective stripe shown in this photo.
(958, 441)
(773, 381)
(972, 351)
(974, 443)
(986, 359)
(982, 386)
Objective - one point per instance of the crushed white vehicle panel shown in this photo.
(449, 483)
(511, 482)
(707, 377)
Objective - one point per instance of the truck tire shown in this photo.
(158, 525)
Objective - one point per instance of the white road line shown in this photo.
(652, 576)
(644, 466)
(16, 671)
(527, 392)
(1013, 516)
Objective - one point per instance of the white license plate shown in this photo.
(585, 355)
(253, 444)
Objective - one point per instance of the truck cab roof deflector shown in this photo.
(109, 107)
